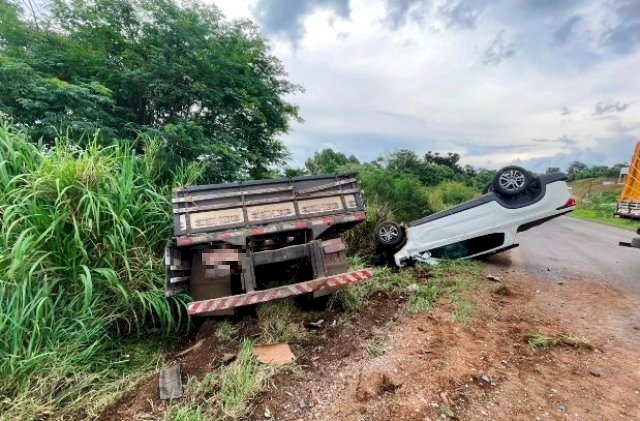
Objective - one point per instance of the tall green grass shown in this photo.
(81, 238)
(600, 206)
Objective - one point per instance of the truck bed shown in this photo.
(223, 207)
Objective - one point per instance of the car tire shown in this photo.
(635, 242)
(488, 188)
(511, 181)
(389, 234)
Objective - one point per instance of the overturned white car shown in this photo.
(514, 202)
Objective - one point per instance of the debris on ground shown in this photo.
(494, 278)
(170, 383)
(228, 357)
(316, 325)
(485, 378)
(276, 354)
(191, 348)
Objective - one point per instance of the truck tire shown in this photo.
(635, 242)
(511, 181)
(389, 234)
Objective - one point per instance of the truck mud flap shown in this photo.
(206, 307)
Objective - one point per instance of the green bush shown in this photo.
(403, 194)
(81, 239)
(448, 194)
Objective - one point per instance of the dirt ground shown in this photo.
(388, 364)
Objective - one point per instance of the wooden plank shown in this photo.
(212, 196)
(170, 383)
(258, 202)
(325, 186)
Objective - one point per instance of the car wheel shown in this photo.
(488, 188)
(389, 234)
(511, 181)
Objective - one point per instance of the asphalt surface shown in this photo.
(576, 249)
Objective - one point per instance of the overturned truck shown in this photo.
(239, 244)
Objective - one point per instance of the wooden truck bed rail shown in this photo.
(221, 207)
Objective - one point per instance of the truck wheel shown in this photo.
(389, 234)
(511, 181)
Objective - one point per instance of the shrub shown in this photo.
(81, 236)
(402, 193)
(448, 194)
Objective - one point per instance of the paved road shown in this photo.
(573, 248)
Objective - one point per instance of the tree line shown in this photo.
(208, 88)
(196, 88)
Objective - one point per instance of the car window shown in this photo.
(468, 247)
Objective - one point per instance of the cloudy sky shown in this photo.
(536, 82)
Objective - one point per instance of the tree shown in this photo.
(404, 160)
(402, 193)
(328, 161)
(294, 172)
(451, 160)
(552, 169)
(208, 88)
(577, 167)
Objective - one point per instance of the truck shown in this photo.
(628, 205)
(239, 244)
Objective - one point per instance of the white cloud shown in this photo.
(372, 87)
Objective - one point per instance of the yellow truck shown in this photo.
(629, 202)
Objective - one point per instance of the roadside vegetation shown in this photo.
(81, 239)
(423, 285)
(224, 393)
(597, 201)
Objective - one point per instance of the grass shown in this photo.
(463, 309)
(223, 394)
(592, 215)
(424, 298)
(376, 349)
(451, 278)
(597, 202)
(81, 239)
(280, 321)
(539, 340)
(226, 331)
